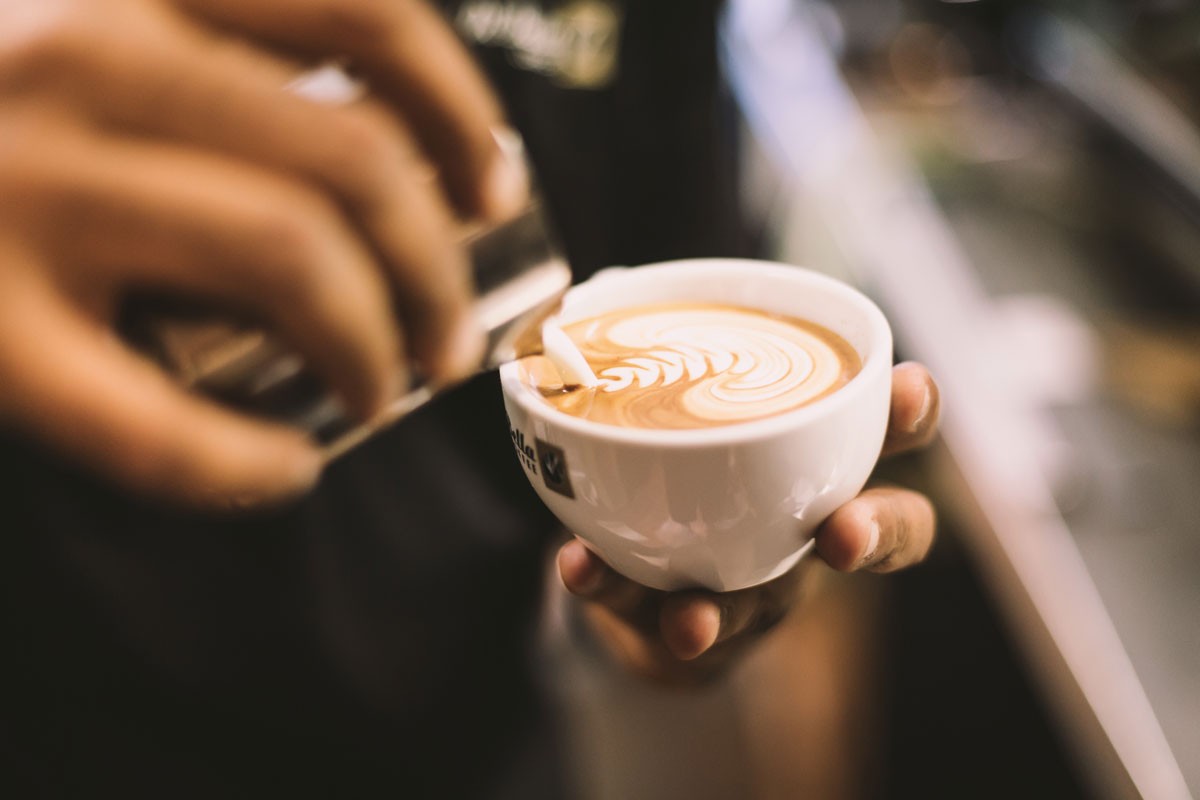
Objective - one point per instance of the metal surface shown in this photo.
(520, 277)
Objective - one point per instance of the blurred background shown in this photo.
(1018, 185)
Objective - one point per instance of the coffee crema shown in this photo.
(697, 365)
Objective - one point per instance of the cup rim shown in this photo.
(879, 358)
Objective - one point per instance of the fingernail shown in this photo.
(926, 406)
(300, 473)
(589, 574)
(390, 388)
(304, 471)
(872, 545)
(463, 353)
(506, 190)
(724, 617)
(328, 85)
(702, 647)
(703, 644)
(397, 384)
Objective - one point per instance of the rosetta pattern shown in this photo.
(698, 366)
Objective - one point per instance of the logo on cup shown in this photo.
(524, 451)
(554, 468)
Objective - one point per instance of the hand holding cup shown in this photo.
(700, 526)
(690, 635)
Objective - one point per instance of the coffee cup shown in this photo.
(723, 507)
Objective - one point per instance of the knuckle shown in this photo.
(886, 565)
(367, 144)
(286, 233)
(23, 136)
(46, 39)
(366, 26)
(931, 520)
(900, 551)
(289, 245)
(767, 618)
(309, 262)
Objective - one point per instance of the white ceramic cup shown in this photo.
(719, 508)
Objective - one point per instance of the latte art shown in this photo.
(702, 365)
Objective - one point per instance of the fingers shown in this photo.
(74, 386)
(218, 96)
(411, 58)
(586, 576)
(886, 529)
(689, 624)
(881, 530)
(693, 623)
(915, 407)
(164, 218)
(646, 620)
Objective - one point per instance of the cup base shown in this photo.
(673, 581)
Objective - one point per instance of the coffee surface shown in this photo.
(698, 365)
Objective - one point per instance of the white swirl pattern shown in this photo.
(700, 365)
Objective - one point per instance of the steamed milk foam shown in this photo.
(697, 365)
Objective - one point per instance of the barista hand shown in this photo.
(148, 144)
(688, 636)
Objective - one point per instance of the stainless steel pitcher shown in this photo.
(520, 277)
